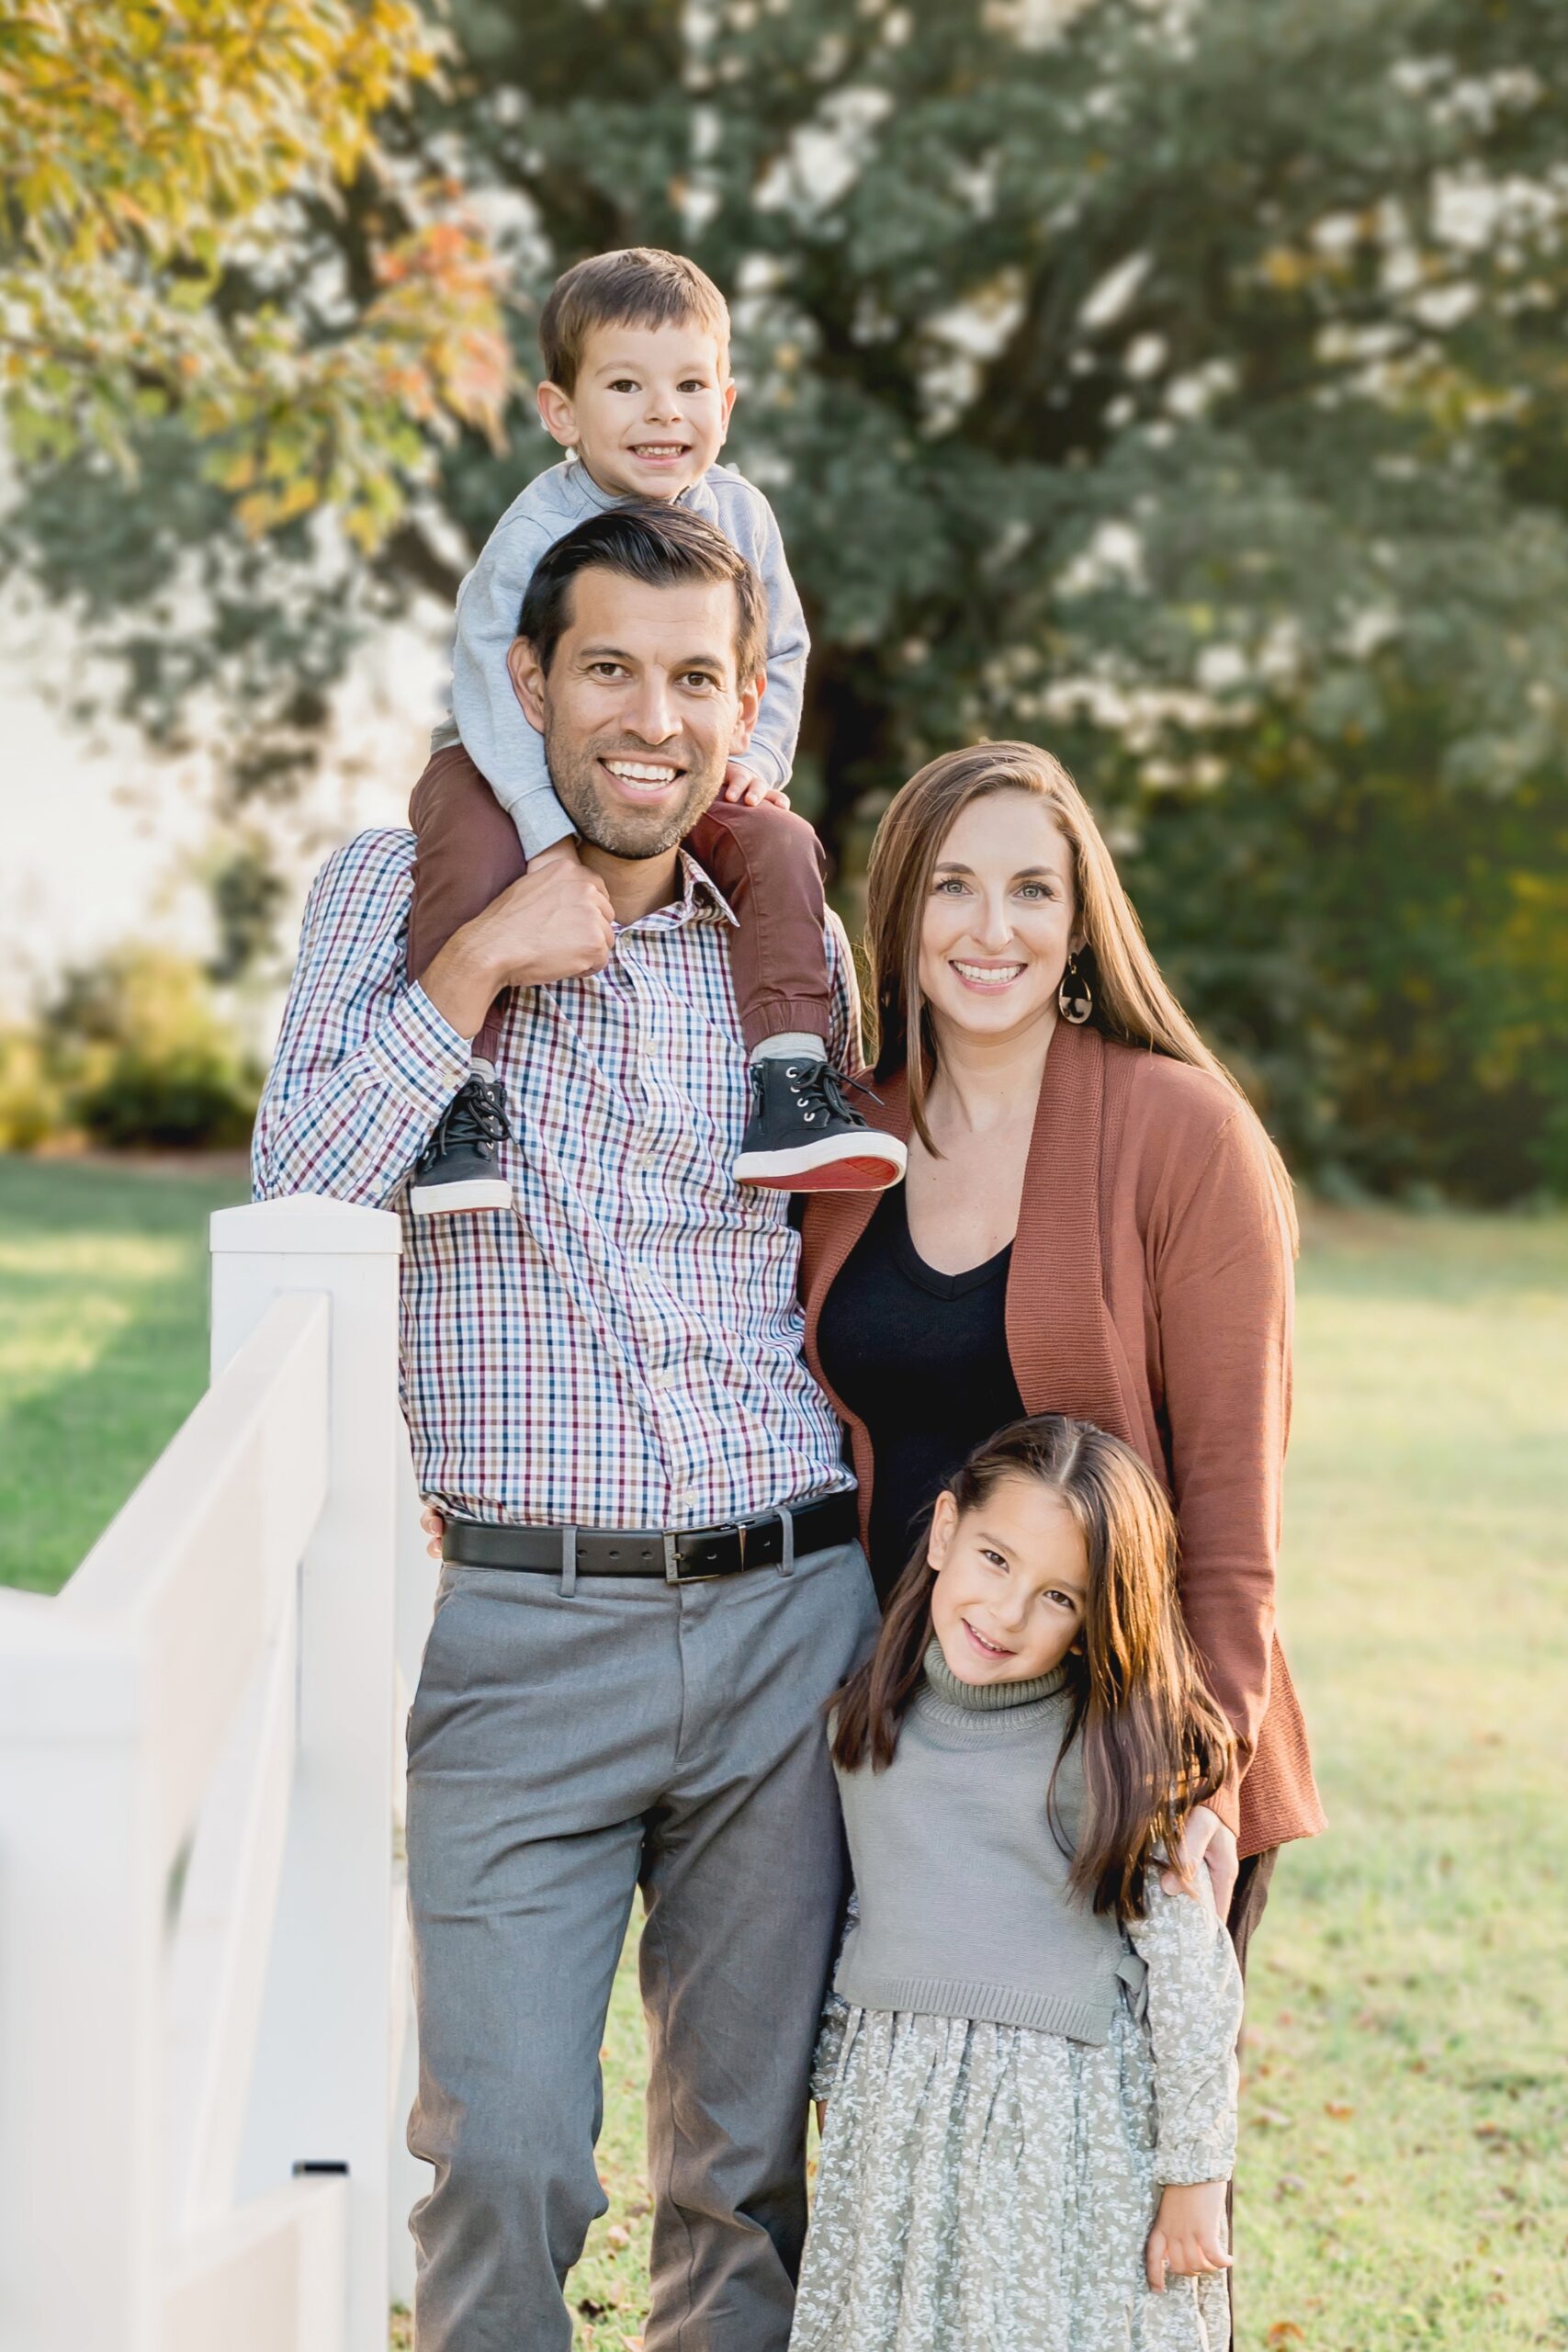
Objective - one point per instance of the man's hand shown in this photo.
(1207, 1840)
(553, 924)
(749, 790)
(1188, 2237)
(435, 1526)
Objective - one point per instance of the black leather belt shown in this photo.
(689, 1558)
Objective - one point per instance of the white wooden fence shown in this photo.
(203, 2062)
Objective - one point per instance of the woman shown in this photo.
(1093, 1223)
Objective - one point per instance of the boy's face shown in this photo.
(648, 412)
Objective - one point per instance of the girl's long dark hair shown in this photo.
(1153, 1742)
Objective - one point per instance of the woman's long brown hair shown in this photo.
(1155, 1744)
(1132, 1001)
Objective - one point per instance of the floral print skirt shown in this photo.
(991, 2188)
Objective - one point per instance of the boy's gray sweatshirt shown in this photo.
(486, 716)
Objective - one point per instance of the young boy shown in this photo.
(638, 390)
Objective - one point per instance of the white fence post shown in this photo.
(321, 2089)
(196, 1832)
(410, 2179)
(81, 2026)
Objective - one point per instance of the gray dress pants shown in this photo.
(564, 1748)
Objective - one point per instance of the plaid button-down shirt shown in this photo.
(624, 1351)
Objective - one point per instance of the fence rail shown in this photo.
(201, 1969)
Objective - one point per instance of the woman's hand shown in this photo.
(1207, 1840)
(1188, 2237)
(434, 1527)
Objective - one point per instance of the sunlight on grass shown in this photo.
(1405, 2110)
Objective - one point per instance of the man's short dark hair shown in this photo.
(664, 547)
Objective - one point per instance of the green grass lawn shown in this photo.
(1402, 2180)
(103, 1344)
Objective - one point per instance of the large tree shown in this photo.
(1177, 383)
(161, 162)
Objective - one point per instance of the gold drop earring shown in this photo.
(1075, 998)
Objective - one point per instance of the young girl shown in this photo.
(1028, 2059)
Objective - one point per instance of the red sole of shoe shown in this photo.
(843, 1176)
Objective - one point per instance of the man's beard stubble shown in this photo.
(619, 830)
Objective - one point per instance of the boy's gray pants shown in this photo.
(565, 1748)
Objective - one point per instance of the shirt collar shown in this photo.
(701, 900)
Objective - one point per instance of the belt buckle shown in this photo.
(676, 1573)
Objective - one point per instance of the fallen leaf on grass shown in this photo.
(1289, 2184)
(616, 2236)
(1285, 2331)
(1338, 2110)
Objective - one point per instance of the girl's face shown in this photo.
(1000, 923)
(1011, 1582)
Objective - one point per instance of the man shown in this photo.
(652, 1579)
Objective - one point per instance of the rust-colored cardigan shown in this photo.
(1150, 1292)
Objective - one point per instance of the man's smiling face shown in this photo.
(640, 709)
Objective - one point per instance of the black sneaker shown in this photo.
(802, 1136)
(458, 1169)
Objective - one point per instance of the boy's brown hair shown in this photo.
(641, 285)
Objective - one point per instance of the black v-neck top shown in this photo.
(921, 1358)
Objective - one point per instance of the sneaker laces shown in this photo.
(818, 1083)
(474, 1115)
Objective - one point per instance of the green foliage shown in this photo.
(1181, 386)
(161, 159)
(141, 1057)
(1383, 955)
(30, 1107)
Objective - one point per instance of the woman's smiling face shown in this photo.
(1000, 918)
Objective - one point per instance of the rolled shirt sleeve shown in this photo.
(364, 1064)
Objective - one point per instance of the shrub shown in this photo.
(145, 1057)
(1381, 957)
(30, 1104)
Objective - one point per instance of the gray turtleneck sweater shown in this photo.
(961, 1885)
